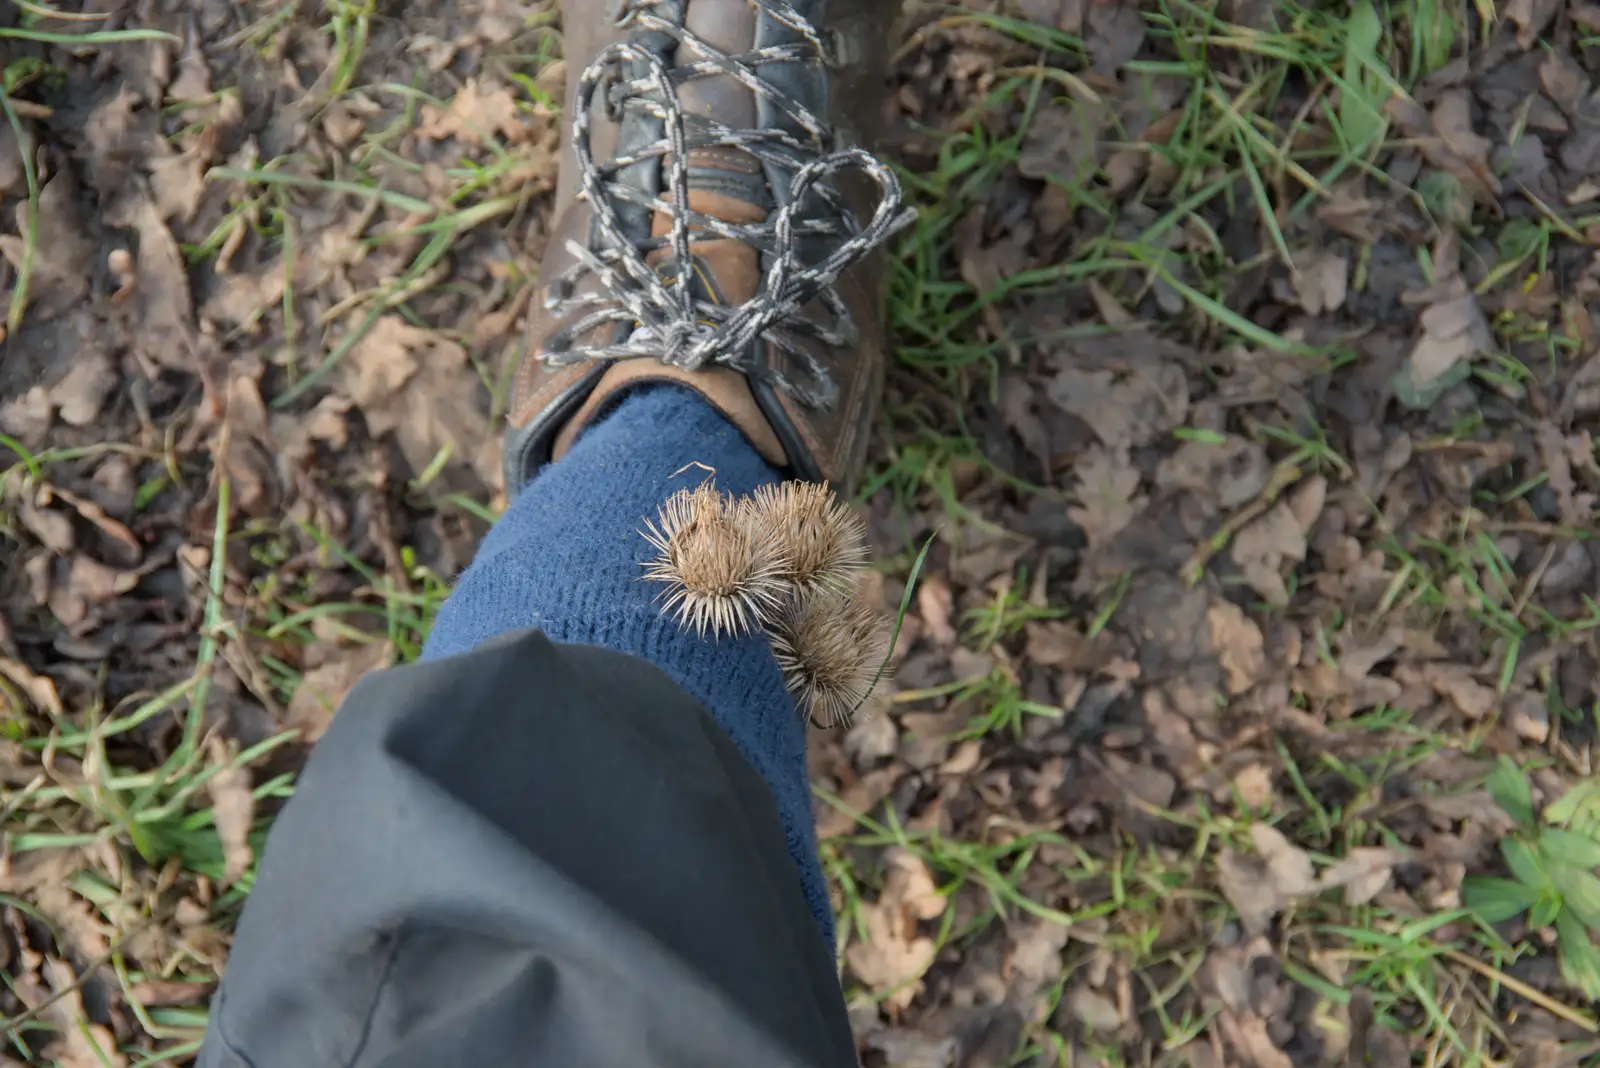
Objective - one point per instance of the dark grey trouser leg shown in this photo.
(533, 854)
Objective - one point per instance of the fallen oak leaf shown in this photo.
(1263, 885)
(1240, 647)
(233, 809)
(82, 392)
(323, 688)
(1321, 282)
(38, 689)
(166, 310)
(113, 529)
(59, 256)
(1454, 333)
(1108, 484)
(416, 384)
(1289, 865)
(893, 957)
(1531, 18)
(1362, 873)
(475, 117)
(79, 1043)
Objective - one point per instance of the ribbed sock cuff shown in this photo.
(566, 559)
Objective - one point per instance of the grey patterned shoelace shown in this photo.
(669, 321)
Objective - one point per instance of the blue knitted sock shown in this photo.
(566, 556)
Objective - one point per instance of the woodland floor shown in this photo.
(1245, 383)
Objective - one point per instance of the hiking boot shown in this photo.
(718, 225)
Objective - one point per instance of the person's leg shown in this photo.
(567, 557)
(543, 848)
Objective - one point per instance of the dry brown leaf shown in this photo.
(1137, 410)
(1114, 35)
(323, 688)
(170, 993)
(1035, 958)
(244, 446)
(233, 809)
(934, 605)
(82, 391)
(1063, 141)
(38, 689)
(22, 874)
(178, 182)
(1363, 873)
(894, 954)
(1576, 509)
(1452, 118)
(1262, 547)
(1095, 1011)
(1528, 714)
(1455, 681)
(501, 20)
(78, 1042)
(1254, 785)
(1108, 485)
(475, 116)
(117, 533)
(1563, 80)
(52, 528)
(1453, 331)
(1251, 1043)
(1241, 649)
(166, 311)
(1531, 18)
(243, 296)
(27, 417)
(1288, 864)
(1245, 884)
(94, 582)
(1260, 886)
(63, 258)
(1447, 140)
(297, 433)
(1321, 282)
(416, 384)
(1224, 474)
(83, 931)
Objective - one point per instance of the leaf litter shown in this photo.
(1247, 402)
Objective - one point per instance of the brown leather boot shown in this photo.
(717, 223)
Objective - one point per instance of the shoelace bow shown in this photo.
(670, 323)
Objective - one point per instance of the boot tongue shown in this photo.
(729, 271)
(726, 183)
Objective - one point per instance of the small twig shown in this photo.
(1286, 474)
(1536, 577)
(1543, 1000)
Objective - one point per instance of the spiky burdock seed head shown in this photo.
(821, 537)
(830, 647)
(721, 575)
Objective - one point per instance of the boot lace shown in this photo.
(670, 320)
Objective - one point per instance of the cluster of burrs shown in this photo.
(788, 559)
